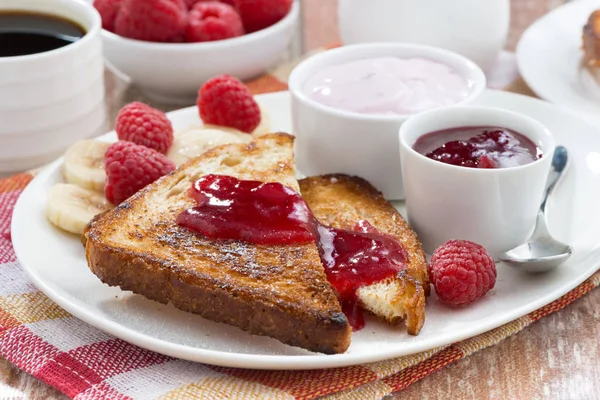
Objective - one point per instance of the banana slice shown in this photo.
(194, 142)
(262, 129)
(265, 123)
(84, 164)
(226, 129)
(70, 207)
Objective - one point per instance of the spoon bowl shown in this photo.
(542, 252)
(538, 254)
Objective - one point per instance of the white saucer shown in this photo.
(549, 55)
(56, 265)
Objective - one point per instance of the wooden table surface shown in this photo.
(555, 358)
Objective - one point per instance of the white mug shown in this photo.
(496, 208)
(476, 29)
(49, 100)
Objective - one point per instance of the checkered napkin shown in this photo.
(44, 340)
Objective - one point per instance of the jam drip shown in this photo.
(478, 147)
(358, 258)
(271, 213)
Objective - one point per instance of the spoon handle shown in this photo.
(560, 160)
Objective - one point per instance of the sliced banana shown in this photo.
(192, 143)
(226, 129)
(70, 207)
(262, 129)
(84, 164)
(265, 123)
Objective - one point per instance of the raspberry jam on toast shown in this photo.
(339, 201)
(253, 211)
(271, 213)
(280, 291)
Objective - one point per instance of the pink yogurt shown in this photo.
(388, 85)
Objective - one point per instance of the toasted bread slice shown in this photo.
(340, 201)
(276, 291)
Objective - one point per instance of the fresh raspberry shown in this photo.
(461, 272)
(130, 167)
(213, 21)
(259, 14)
(108, 10)
(191, 3)
(225, 101)
(141, 124)
(152, 20)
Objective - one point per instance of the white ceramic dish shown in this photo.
(335, 140)
(550, 59)
(56, 265)
(496, 207)
(173, 72)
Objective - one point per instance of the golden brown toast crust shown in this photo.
(276, 291)
(340, 201)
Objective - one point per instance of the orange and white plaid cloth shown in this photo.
(85, 363)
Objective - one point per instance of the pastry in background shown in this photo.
(591, 44)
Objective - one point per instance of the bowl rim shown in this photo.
(289, 19)
(541, 128)
(475, 73)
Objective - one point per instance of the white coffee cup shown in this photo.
(476, 29)
(51, 99)
(496, 208)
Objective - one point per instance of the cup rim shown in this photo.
(453, 59)
(96, 24)
(290, 18)
(544, 132)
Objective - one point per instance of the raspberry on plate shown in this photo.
(152, 20)
(108, 10)
(141, 124)
(213, 21)
(226, 101)
(130, 167)
(259, 14)
(191, 3)
(461, 272)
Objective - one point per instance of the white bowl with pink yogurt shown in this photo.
(349, 103)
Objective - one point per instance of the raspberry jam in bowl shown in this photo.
(478, 147)
(474, 173)
(348, 104)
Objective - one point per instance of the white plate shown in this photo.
(550, 59)
(55, 262)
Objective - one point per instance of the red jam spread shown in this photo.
(251, 211)
(478, 147)
(271, 213)
(357, 258)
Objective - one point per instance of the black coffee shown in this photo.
(23, 33)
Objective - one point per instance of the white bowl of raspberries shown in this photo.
(169, 48)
